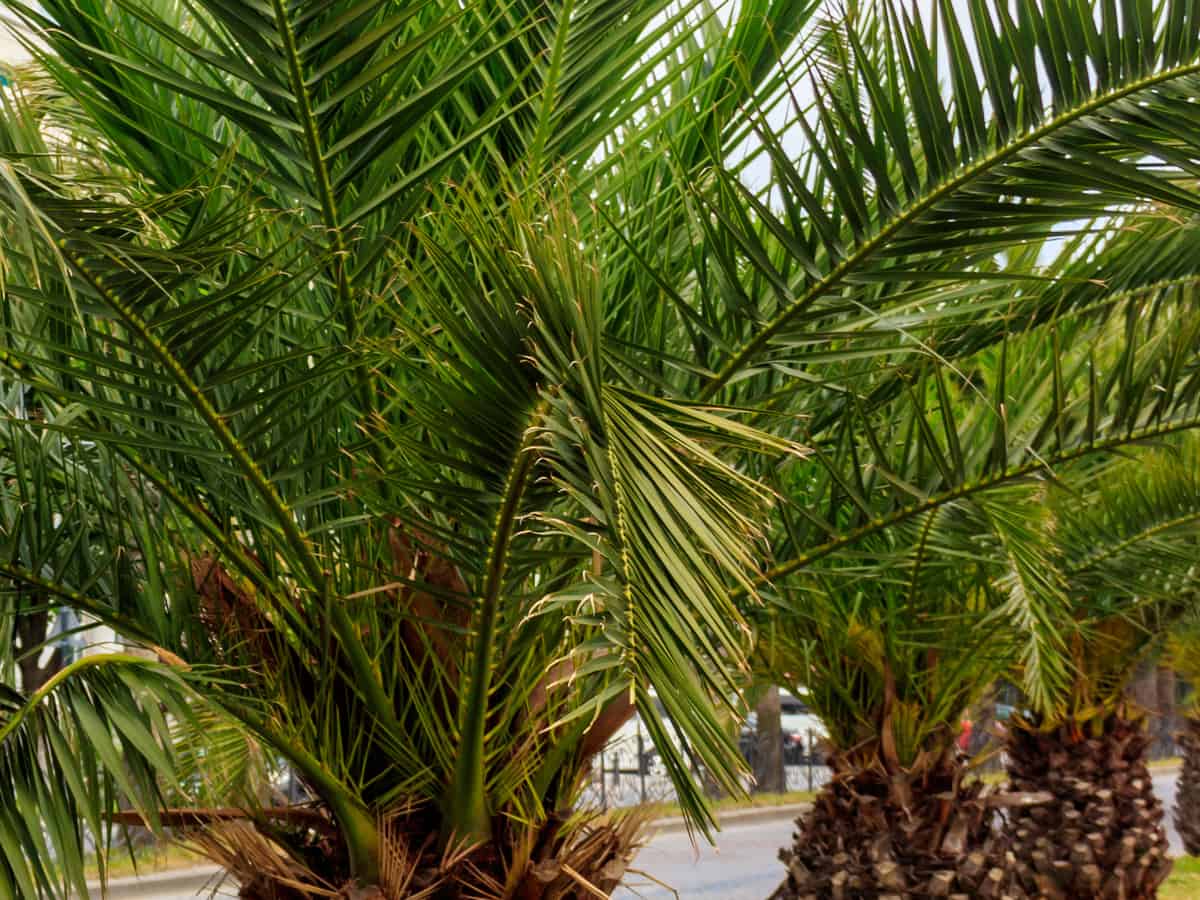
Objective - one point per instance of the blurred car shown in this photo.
(803, 734)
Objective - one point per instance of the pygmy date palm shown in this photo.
(904, 580)
(441, 362)
(896, 632)
(345, 437)
(1123, 544)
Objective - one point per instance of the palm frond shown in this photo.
(93, 739)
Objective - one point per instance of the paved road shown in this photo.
(743, 866)
(1164, 787)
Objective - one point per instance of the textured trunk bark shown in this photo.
(1143, 689)
(1102, 836)
(1187, 797)
(768, 751)
(31, 631)
(910, 836)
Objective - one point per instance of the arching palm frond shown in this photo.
(932, 522)
(900, 202)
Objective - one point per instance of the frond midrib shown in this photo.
(1145, 534)
(466, 813)
(316, 154)
(967, 490)
(914, 211)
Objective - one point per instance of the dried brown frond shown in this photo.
(200, 818)
(433, 618)
(401, 861)
(588, 856)
(230, 613)
(619, 711)
(263, 869)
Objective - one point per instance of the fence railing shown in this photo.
(631, 772)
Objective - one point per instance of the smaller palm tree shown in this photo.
(1125, 550)
(890, 664)
(896, 627)
(1183, 652)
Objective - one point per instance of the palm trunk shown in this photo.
(1187, 797)
(1102, 835)
(909, 836)
(768, 750)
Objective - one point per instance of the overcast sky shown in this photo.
(10, 50)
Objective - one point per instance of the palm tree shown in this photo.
(902, 618)
(442, 362)
(1183, 653)
(1126, 562)
(899, 629)
(368, 454)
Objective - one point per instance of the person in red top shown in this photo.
(964, 736)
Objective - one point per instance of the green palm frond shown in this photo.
(94, 737)
(924, 168)
(526, 391)
(1125, 537)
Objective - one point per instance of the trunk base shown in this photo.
(553, 863)
(870, 837)
(1187, 798)
(1102, 835)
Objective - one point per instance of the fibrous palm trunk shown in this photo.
(1187, 797)
(906, 836)
(1101, 836)
(768, 750)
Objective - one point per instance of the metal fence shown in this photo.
(631, 772)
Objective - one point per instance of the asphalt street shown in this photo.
(743, 866)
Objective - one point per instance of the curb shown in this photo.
(148, 887)
(734, 818)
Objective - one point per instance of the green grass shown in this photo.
(146, 860)
(1184, 883)
(732, 804)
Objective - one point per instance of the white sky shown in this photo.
(10, 50)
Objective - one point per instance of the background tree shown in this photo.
(41, 529)
(894, 627)
(770, 777)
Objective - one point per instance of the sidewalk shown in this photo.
(151, 887)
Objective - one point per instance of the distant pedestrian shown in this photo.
(964, 736)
